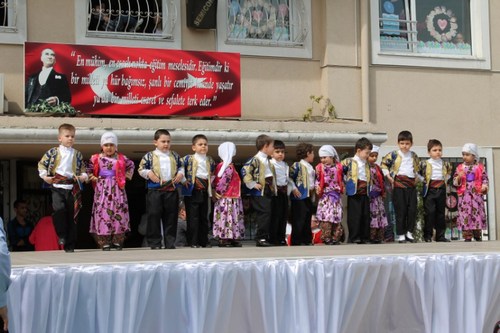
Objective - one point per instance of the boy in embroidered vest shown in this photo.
(471, 181)
(197, 190)
(357, 178)
(376, 192)
(436, 173)
(163, 170)
(260, 181)
(401, 168)
(303, 177)
(280, 201)
(63, 168)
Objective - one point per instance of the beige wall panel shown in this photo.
(494, 33)
(51, 21)
(277, 88)
(343, 86)
(452, 106)
(341, 25)
(12, 65)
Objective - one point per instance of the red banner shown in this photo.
(135, 81)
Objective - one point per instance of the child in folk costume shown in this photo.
(471, 181)
(329, 188)
(110, 215)
(378, 218)
(229, 224)
(64, 169)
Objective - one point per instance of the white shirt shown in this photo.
(65, 167)
(281, 169)
(44, 75)
(201, 170)
(406, 167)
(165, 172)
(361, 168)
(437, 169)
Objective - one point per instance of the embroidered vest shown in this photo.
(478, 178)
(233, 189)
(119, 169)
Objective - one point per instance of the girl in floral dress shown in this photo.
(471, 181)
(229, 225)
(378, 218)
(110, 215)
(329, 187)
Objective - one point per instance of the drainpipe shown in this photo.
(364, 14)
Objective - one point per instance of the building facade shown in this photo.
(386, 66)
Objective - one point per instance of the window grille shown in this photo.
(8, 16)
(131, 19)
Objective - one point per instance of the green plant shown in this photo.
(45, 107)
(325, 106)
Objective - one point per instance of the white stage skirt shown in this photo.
(436, 293)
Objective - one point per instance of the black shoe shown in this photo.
(225, 244)
(195, 246)
(263, 243)
(69, 250)
(402, 241)
(236, 244)
(282, 243)
(467, 240)
(356, 241)
(478, 239)
(155, 247)
(106, 247)
(171, 247)
(307, 244)
(376, 241)
(117, 246)
(61, 241)
(428, 240)
(443, 239)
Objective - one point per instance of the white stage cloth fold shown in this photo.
(411, 293)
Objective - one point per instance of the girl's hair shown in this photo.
(161, 132)
(302, 149)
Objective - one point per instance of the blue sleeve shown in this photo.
(4, 266)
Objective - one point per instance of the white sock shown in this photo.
(401, 237)
(409, 235)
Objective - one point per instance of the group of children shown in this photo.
(273, 188)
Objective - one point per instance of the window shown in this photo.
(13, 21)
(128, 22)
(436, 33)
(265, 27)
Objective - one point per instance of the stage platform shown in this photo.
(422, 287)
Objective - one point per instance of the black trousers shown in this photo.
(358, 218)
(262, 207)
(197, 218)
(63, 216)
(279, 218)
(405, 207)
(434, 210)
(302, 211)
(163, 209)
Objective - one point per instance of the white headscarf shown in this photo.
(375, 149)
(328, 151)
(226, 152)
(471, 148)
(109, 137)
